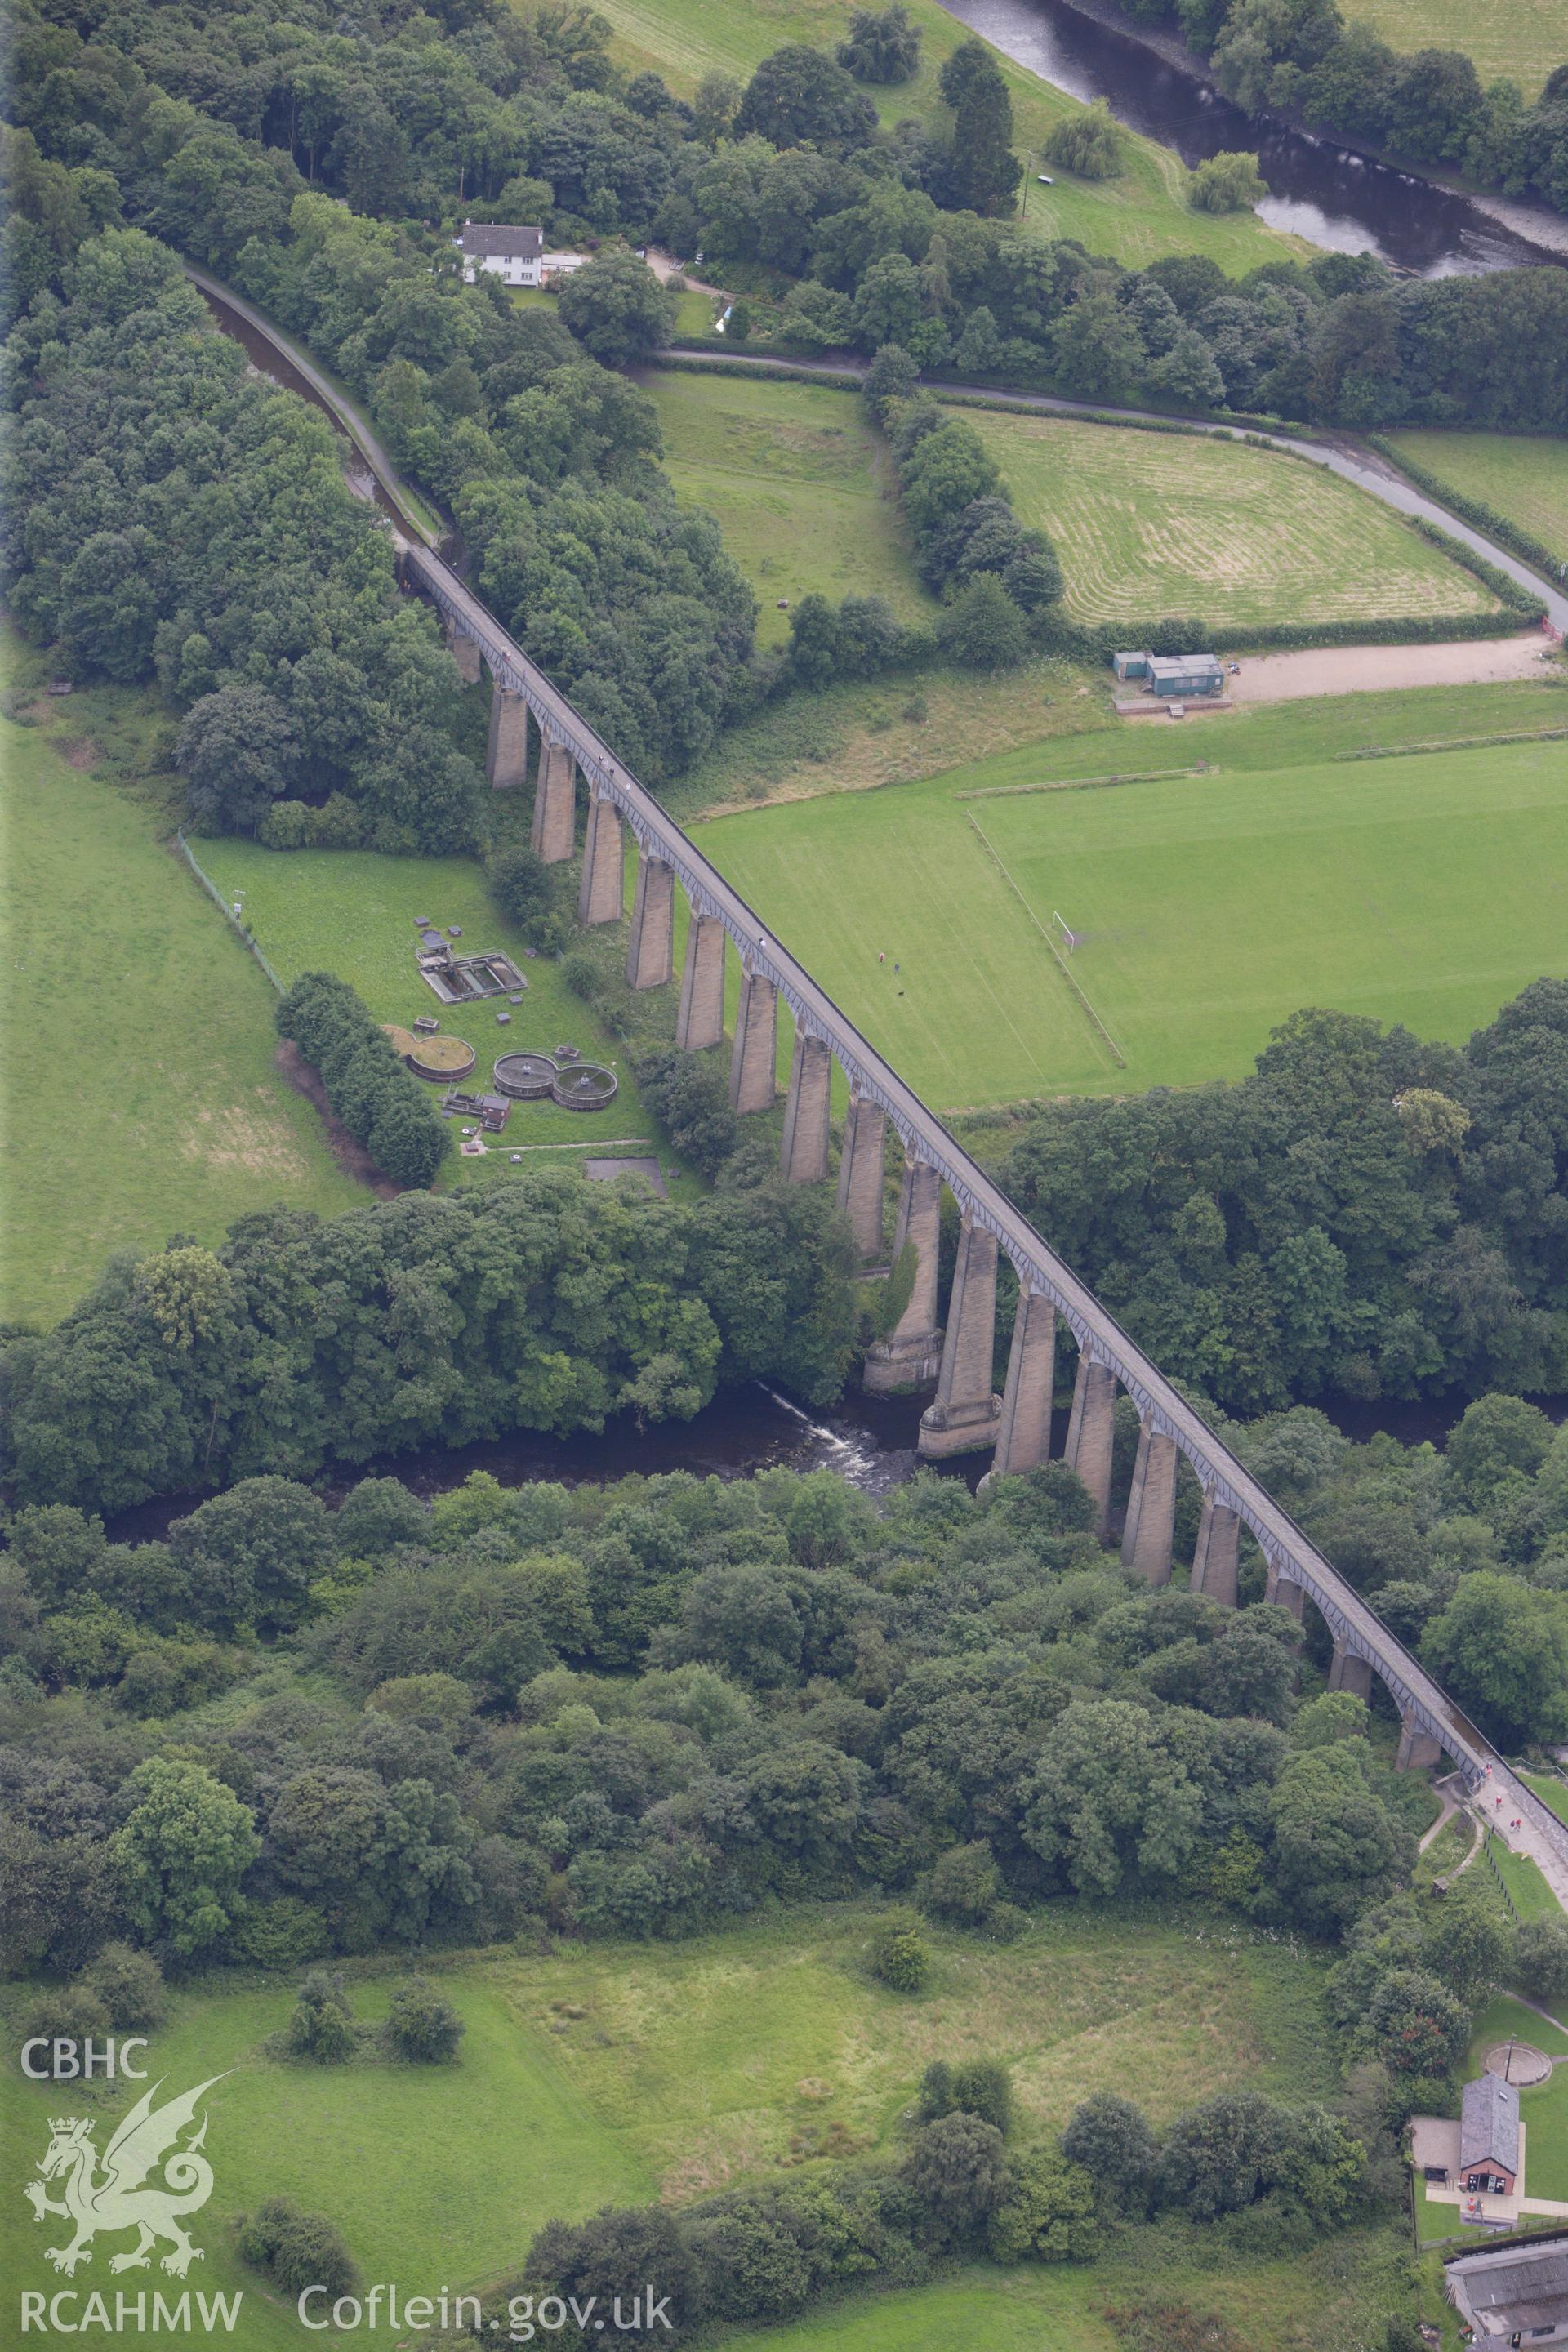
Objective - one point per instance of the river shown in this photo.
(869, 1441)
(1331, 196)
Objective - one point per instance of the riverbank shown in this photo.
(1338, 195)
(1534, 225)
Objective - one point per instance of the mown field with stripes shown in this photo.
(1148, 524)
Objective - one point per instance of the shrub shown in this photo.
(129, 1984)
(980, 2087)
(964, 1884)
(440, 1696)
(296, 2250)
(1046, 2213)
(423, 2027)
(322, 2028)
(581, 974)
(527, 893)
(68, 2013)
(899, 1955)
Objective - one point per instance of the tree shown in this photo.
(957, 2168)
(744, 1620)
(1541, 1957)
(526, 892)
(617, 308)
(978, 351)
(799, 98)
(251, 1555)
(982, 172)
(1501, 1647)
(1095, 349)
(1088, 143)
(983, 629)
(295, 2249)
(1497, 1438)
(1337, 1846)
(1108, 1804)
(1046, 2212)
(899, 1955)
(1416, 2025)
(238, 749)
(884, 45)
(376, 1518)
(893, 375)
(186, 1845)
(713, 108)
(1229, 182)
(422, 2026)
(615, 2253)
(1473, 1948)
(1109, 2138)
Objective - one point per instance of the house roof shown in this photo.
(1489, 2124)
(1506, 2293)
(489, 241)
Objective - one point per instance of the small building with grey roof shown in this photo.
(1488, 2136)
(1512, 2295)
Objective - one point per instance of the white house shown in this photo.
(515, 256)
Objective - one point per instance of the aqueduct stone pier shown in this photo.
(954, 1350)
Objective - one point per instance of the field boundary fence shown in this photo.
(225, 907)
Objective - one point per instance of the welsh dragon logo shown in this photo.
(144, 2144)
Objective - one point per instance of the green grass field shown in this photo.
(1149, 524)
(1530, 1895)
(623, 2072)
(140, 1095)
(352, 912)
(800, 482)
(1527, 480)
(1524, 39)
(1420, 888)
(1552, 1791)
(1136, 217)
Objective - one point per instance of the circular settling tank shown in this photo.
(586, 1086)
(439, 1058)
(527, 1078)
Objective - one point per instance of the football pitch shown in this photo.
(1425, 887)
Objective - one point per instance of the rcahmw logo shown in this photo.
(149, 2182)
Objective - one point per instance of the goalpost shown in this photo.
(1063, 935)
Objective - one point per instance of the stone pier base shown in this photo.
(700, 1021)
(506, 758)
(1215, 1558)
(554, 835)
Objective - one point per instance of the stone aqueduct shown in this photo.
(956, 1350)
